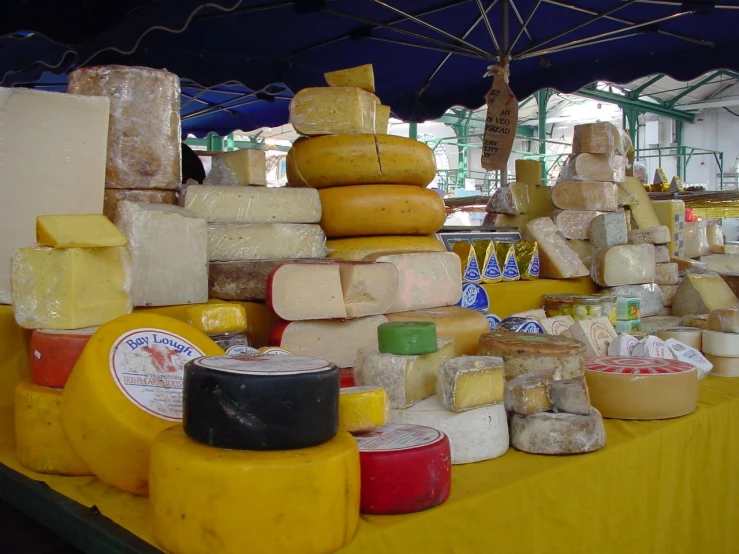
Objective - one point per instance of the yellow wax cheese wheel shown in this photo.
(358, 248)
(339, 160)
(40, 443)
(208, 500)
(363, 409)
(124, 389)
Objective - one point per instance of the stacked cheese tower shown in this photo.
(525, 199)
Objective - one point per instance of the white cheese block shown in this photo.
(253, 204)
(169, 253)
(701, 294)
(668, 293)
(650, 235)
(469, 382)
(690, 355)
(667, 274)
(608, 229)
(715, 235)
(558, 433)
(717, 343)
(585, 195)
(368, 288)
(242, 167)
(574, 224)
(474, 435)
(556, 257)
(650, 297)
(265, 241)
(584, 250)
(726, 264)
(725, 249)
(687, 335)
(570, 396)
(687, 266)
(652, 347)
(661, 254)
(723, 366)
(622, 345)
(596, 334)
(296, 292)
(695, 239)
(626, 264)
(650, 325)
(593, 167)
(53, 152)
(723, 320)
(557, 325)
(529, 393)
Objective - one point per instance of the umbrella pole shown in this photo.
(504, 24)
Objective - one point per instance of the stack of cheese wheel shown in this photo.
(721, 342)
(545, 393)
(253, 428)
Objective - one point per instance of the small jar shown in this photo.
(559, 304)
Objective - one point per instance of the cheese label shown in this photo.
(491, 272)
(474, 297)
(534, 267)
(510, 271)
(393, 437)
(636, 365)
(265, 364)
(493, 320)
(472, 270)
(147, 366)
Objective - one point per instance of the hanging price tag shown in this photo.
(501, 121)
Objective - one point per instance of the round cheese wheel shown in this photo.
(625, 387)
(405, 469)
(206, 499)
(339, 160)
(362, 409)
(717, 343)
(358, 248)
(558, 433)
(261, 402)
(527, 353)
(40, 443)
(125, 388)
(723, 366)
(407, 338)
(54, 353)
(687, 335)
(367, 210)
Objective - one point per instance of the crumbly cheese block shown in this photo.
(641, 388)
(574, 224)
(531, 353)
(113, 197)
(362, 76)
(597, 138)
(697, 321)
(213, 319)
(626, 264)
(650, 297)
(585, 195)
(77, 231)
(221, 204)
(596, 334)
(723, 366)
(723, 320)
(206, 499)
(668, 292)
(667, 274)
(725, 264)
(717, 343)
(557, 258)
(584, 250)
(382, 118)
(520, 198)
(650, 235)
(661, 254)
(593, 167)
(557, 325)
(474, 435)
(368, 288)
(528, 171)
(695, 238)
(363, 409)
(642, 210)
(358, 248)
(529, 393)
(570, 396)
(558, 433)
(407, 379)
(464, 325)
(368, 210)
(701, 294)
(297, 292)
(725, 249)
(40, 443)
(70, 288)
(608, 229)
(366, 159)
(425, 279)
(469, 382)
(242, 167)
(333, 111)
(265, 241)
(165, 242)
(687, 335)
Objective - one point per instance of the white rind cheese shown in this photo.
(265, 241)
(608, 229)
(626, 264)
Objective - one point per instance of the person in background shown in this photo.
(192, 167)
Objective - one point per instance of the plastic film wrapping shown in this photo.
(333, 111)
(695, 239)
(593, 167)
(363, 409)
(214, 319)
(242, 167)
(585, 195)
(506, 258)
(225, 204)
(725, 320)
(265, 241)
(144, 148)
(715, 234)
(470, 382)
(113, 197)
(70, 288)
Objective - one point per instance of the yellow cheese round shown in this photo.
(125, 388)
(723, 366)
(365, 210)
(40, 443)
(362, 409)
(338, 160)
(208, 500)
(358, 248)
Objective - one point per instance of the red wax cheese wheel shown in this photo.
(54, 353)
(346, 376)
(405, 469)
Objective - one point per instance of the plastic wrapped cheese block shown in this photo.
(661, 254)
(597, 138)
(54, 353)
(382, 117)
(626, 264)
(701, 294)
(608, 229)
(667, 275)
(585, 195)
(358, 248)
(695, 238)
(557, 258)
(144, 150)
(264, 241)
(593, 167)
(558, 433)
(725, 264)
(362, 409)
(113, 198)
(362, 76)
(242, 167)
(333, 111)
(687, 266)
(77, 231)
(574, 224)
(725, 249)
(521, 198)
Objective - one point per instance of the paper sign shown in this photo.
(500, 123)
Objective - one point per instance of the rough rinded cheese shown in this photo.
(666, 274)
(558, 433)
(641, 388)
(265, 241)
(671, 213)
(661, 254)
(650, 235)
(570, 396)
(596, 334)
(81, 231)
(125, 388)
(668, 293)
(726, 264)
(367, 210)
(520, 198)
(469, 382)
(695, 239)
(723, 320)
(338, 160)
(723, 366)
(584, 250)
(557, 325)
(358, 248)
(33, 181)
(717, 343)
(382, 118)
(242, 167)
(626, 264)
(363, 409)
(362, 76)
(40, 443)
(531, 353)
(597, 138)
(253, 204)
(608, 229)
(464, 325)
(297, 292)
(585, 195)
(529, 393)
(206, 499)
(650, 297)
(725, 249)
(642, 210)
(114, 196)
(70, 288)
(574, 224)
(333, 111)
(701, 294)
(475, 435)
(407, 379)
(528, 172)
(165, 242)
(593, 167)
(557, 258)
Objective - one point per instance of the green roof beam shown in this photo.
(671, 103)
(641, 105)
(638, 90)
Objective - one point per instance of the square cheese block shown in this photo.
(661, 254)
(113, 197)
(725, 264)
(725, 249)
(556, 257)
(668, 293)
(584, 250)
(165, 243)
(570, 396)
(77, 231)
(701, 294)
(265, 241)
(333, 111)
(382, 118)
(593, 167)
(70, 288)
(529, 393)
(520, 198)
(242, 167)
(362, 76)
(596, 334)
(650, 235)
(53, 152)
(529, 172)
(608, 229)
(686, 266)
(253, 204)
(574, 224)
(469, 382)
(597, 138)
(666, 274)
(626, 264)
(407, 379)
(671, 213)
(585, 195)
(650, 297)
(641, 210)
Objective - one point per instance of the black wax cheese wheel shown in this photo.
(261, 402)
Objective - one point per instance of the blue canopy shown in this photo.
(428, 55)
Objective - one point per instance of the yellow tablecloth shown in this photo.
(658, 487)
